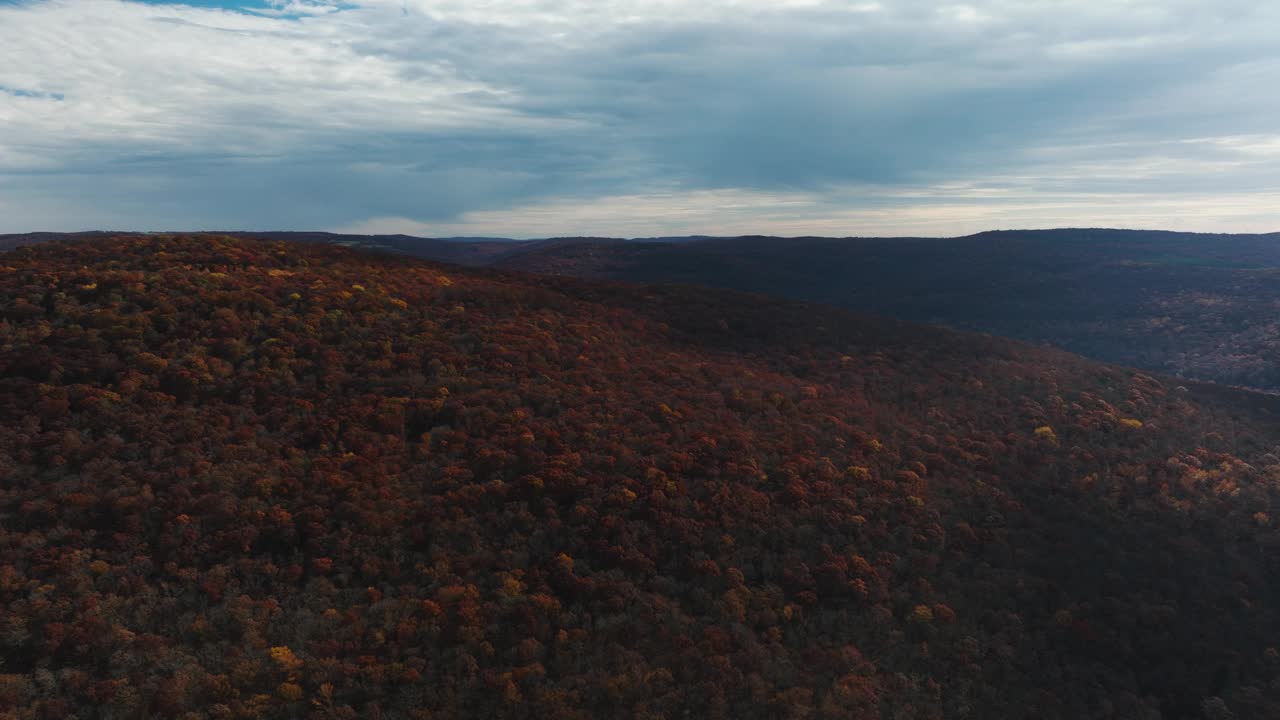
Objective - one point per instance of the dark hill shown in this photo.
(1201, 306)
(8, 242)
(262, 479)
(459, 251)
(1192, 305)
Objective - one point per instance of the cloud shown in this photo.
(938, 211)
(456, 113)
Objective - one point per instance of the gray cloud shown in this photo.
(429, 114)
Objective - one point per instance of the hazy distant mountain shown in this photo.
(1203, 306)
(8, 242)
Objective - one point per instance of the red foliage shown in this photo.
(257, 479)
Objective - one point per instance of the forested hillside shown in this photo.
(1191, 305)
(245, 478)
(1200, 306)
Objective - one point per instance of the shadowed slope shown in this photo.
(267, 479)
(1201, 306)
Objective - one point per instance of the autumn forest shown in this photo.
(245, 478)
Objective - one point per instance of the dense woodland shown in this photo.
(1199, 306)
(245, 479)
(1191, 305)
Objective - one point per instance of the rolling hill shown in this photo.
(1199, 306)
(459, 251)
(1184, 304)
(255, 478)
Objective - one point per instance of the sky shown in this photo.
(537, 118)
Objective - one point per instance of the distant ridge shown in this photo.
(1199, 305)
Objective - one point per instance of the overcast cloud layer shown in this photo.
(639, 117)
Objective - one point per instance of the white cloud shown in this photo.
(141, 78)
(300, 7)
(943, 211)
(456, 113)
